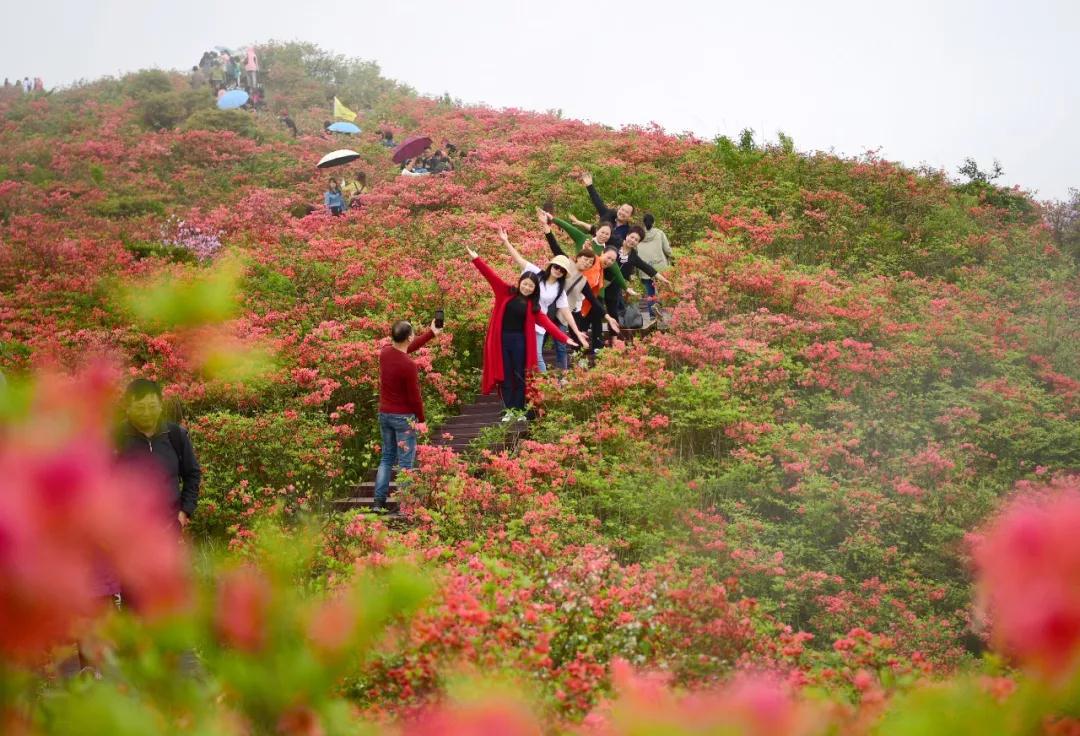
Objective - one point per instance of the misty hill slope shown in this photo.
(863, 360)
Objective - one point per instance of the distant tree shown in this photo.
(971, 170)
(1064, 221)
(1018, 206)
(301, 75)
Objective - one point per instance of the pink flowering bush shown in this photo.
(756, 519)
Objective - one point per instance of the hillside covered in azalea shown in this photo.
(788, 488)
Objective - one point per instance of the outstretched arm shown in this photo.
(614, 275)
(568, 318)
(493, 279)
(553, 329)
(518, 258)
(579, 237)
(579, 223)
(601, 208)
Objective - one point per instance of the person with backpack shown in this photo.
(655, 249)
(147, 437)
(630, 260)
(553, 300)
(510, 343)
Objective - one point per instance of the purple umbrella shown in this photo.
(412, 147)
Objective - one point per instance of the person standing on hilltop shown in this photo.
(401, 406)
(619, 218)
(252, 67)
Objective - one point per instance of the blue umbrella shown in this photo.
(344, 128)
(232, 99)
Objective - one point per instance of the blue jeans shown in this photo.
(513, 358)
(398, 446)
(562, 358)
(650, 292)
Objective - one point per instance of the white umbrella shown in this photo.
(337, 158)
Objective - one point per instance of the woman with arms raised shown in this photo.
(553, 300)
(510, 344)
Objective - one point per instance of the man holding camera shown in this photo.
(401, 406)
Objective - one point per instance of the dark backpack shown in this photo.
(631, 318)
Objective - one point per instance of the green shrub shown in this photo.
(147, 82)
(123, 205)
(262, 461)
(164, 110)
(145, 249)
(237, 121)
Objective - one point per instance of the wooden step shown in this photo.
(364, 502)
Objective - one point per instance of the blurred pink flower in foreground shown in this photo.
(70, 518)
(1029, 577)
(751, 704)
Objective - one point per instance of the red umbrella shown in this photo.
(412, 147)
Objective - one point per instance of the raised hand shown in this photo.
(503, 236)
(586, 178)
(472, 253)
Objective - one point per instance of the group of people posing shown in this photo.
(570, 300)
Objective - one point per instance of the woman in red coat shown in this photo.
(510, 345)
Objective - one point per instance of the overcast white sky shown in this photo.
(923, 81)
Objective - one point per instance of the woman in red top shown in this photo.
(510, 345)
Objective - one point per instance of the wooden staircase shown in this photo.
(460, 431)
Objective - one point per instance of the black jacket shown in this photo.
(634, 261)
(618, 232)
(180, 469)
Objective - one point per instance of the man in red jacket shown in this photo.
(401, 407)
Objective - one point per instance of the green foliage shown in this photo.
(302, 75)
(235, 121)
(265, 461)
(165, 110)
(192, 300)
(147, 83)
(120, 206)
(152, 249)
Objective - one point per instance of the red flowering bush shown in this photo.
(859, 362)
